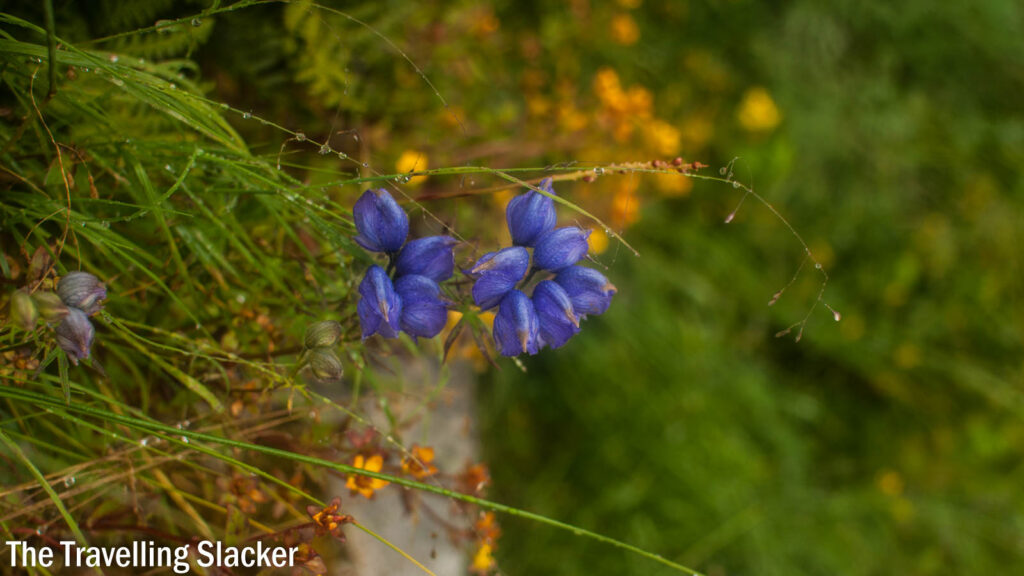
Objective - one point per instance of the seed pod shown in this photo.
(51, 308)
(83, 291)
(323, 334)
(23, 310)
(325, 365)
(75, 334)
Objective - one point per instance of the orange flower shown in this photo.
(329, 520)
(474, 478)
(366, 485)
(487, 528)
(419, 462)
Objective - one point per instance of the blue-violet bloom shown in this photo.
(75, 334)
(424, 313)
(380, 221)
(588, 289)
(432, 257)
(516, 327)
(379, 307)
(497, 273)
(561, 248)
(83, 291)
(531, 215)
(558, 321)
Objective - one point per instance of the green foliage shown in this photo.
(883, 444)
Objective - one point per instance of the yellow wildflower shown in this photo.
(758, 112)
(366, 485)
(412, 161)
(483, 560)
(598, 240)
(624, 29)
(663, 137)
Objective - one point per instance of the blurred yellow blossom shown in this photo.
(673, 184)
(412, 161)
(624, 29)
(758, 112)
(366, 485)
(662, 137)
(598, 240)
(608, 88)
(639, 101)
(483, 559)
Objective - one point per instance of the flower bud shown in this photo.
(497, 273)
(23, 310)
(325, 365)
(51, 308)
(588, 289)
(379, 307)
(423, 312)
(516, 327)
(561, 248)
(75, 334)
(380, 221)
(83, 291)
(558, 321)
(323, 334)
(531, 215)
(431, 257)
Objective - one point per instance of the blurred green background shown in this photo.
(889, 443)
(889, 134)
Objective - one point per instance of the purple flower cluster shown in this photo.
(552, 315)
(409, 301)
(83, 295)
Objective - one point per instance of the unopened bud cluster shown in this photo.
(321, 340)
(79, 295)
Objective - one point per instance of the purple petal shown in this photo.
(75, 334)
(497, 273)
(558, 321)
(424, 313)
(561, 248)
(431, 257)
(379, 306)
(516, 328)
(588, 289)
(531, 215)
(380, 221)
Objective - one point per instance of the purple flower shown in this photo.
(431, 257)
(379, 306)
(516, 327)
(497, 273)
(75, 334)
(531, 215)
(424, 313)
(560, 248)
(588, 289)
(380, 221)
(83, 291)
(558, 321)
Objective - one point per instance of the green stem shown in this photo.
(51, 47)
